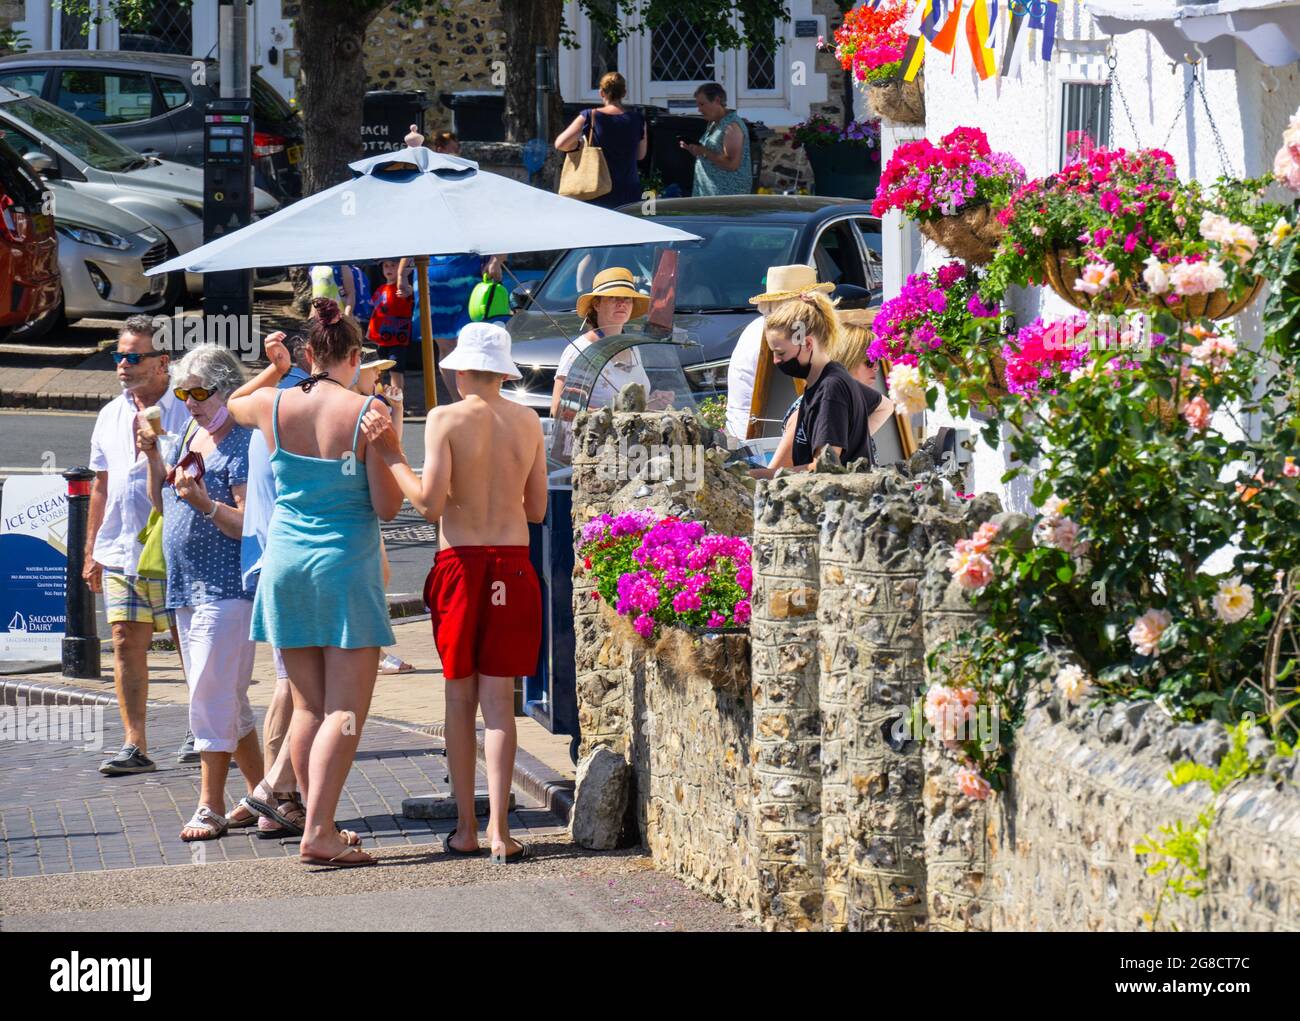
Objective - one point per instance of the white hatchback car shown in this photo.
(168, 196)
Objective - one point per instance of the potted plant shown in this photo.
(870, 45)
(1117, 230)
(845, 160)
(953, 190)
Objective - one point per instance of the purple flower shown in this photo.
(716, 619)
(742, 612)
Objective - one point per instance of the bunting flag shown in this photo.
(945, 39)
(1049, 28)
(918, 15)
(914, 58)
(1011, 48)
(980, 23)
(933, 16)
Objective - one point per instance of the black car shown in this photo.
(149, 102)
(742, 235)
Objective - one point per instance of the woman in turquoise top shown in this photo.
(722, 164)
(320, 598)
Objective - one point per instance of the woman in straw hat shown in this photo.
(782, 284)
(611, 303)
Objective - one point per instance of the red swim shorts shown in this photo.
(486, 607)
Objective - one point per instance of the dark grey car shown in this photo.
(151, 102)
(742, 235)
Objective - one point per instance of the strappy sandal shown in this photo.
(240, 824)
(338, 862)
(212, 825)
(523, 854)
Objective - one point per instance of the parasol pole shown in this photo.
(426, 335)
(414, 139)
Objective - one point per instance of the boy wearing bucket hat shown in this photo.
(484, 480)
(783, 283)
(611, 304)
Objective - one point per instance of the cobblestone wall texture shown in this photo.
(797, 801)
(436, 54)
(691, 752)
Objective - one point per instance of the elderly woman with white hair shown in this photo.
(201, 498)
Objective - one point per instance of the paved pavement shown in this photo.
(59, 814)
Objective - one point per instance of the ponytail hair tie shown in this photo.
(327, 311)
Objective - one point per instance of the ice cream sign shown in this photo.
(33, 567)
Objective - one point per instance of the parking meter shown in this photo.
(227, 198)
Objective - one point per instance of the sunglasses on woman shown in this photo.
(134, 357)
(199, 393)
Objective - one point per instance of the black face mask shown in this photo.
(793, 367)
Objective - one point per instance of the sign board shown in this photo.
(33, 567)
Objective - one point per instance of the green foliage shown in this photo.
(13, 42)
(1182, 856)
(713, 412)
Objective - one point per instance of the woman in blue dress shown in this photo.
(320, 598)
(620, 135)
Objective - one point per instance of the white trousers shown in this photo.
(218, 658)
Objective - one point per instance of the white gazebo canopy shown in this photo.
(1270, 29)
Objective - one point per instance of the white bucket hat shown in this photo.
(482, 347)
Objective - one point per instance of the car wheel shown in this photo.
(38, 329)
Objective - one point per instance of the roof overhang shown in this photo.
(1270, 29)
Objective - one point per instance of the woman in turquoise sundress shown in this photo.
(320, 599)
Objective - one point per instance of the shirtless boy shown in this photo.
(484, 480)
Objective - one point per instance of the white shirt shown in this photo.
(741, 373)
(624, 368)
(112, 450)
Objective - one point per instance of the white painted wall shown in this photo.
(1250, 105)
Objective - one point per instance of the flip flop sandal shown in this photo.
(391, 664)
(525, 852)
(337, 861)
(456, 852)
(205, 819)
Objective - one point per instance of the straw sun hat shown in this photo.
(786, 282)
(615, 282)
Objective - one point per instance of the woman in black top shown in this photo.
(620, 135)
(836, 410)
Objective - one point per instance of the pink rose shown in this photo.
(970, 783)
(1196, 278)
(971, 569)
(1197, 413)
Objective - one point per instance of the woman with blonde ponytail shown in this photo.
(836, 410)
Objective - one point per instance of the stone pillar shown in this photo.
(787, 715)
(872, 544)
(956, 827)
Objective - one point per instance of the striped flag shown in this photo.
(914, 58)
(1011, 45)
(1049, 28)
(945, 39)
(933, 16)
(978, 36)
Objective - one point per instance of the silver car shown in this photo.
(169, 196)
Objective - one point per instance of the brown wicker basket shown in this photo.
(971, 235)
(1062, 273)
(899, 101)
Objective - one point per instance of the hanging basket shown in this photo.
(718, 656)
(1062, 272)
(899, 101)
(970, 235)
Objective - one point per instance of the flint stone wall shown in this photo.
(798, 802)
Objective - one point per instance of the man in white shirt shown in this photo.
(782, 284)
(119, 509)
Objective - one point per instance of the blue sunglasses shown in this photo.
(134, 357)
